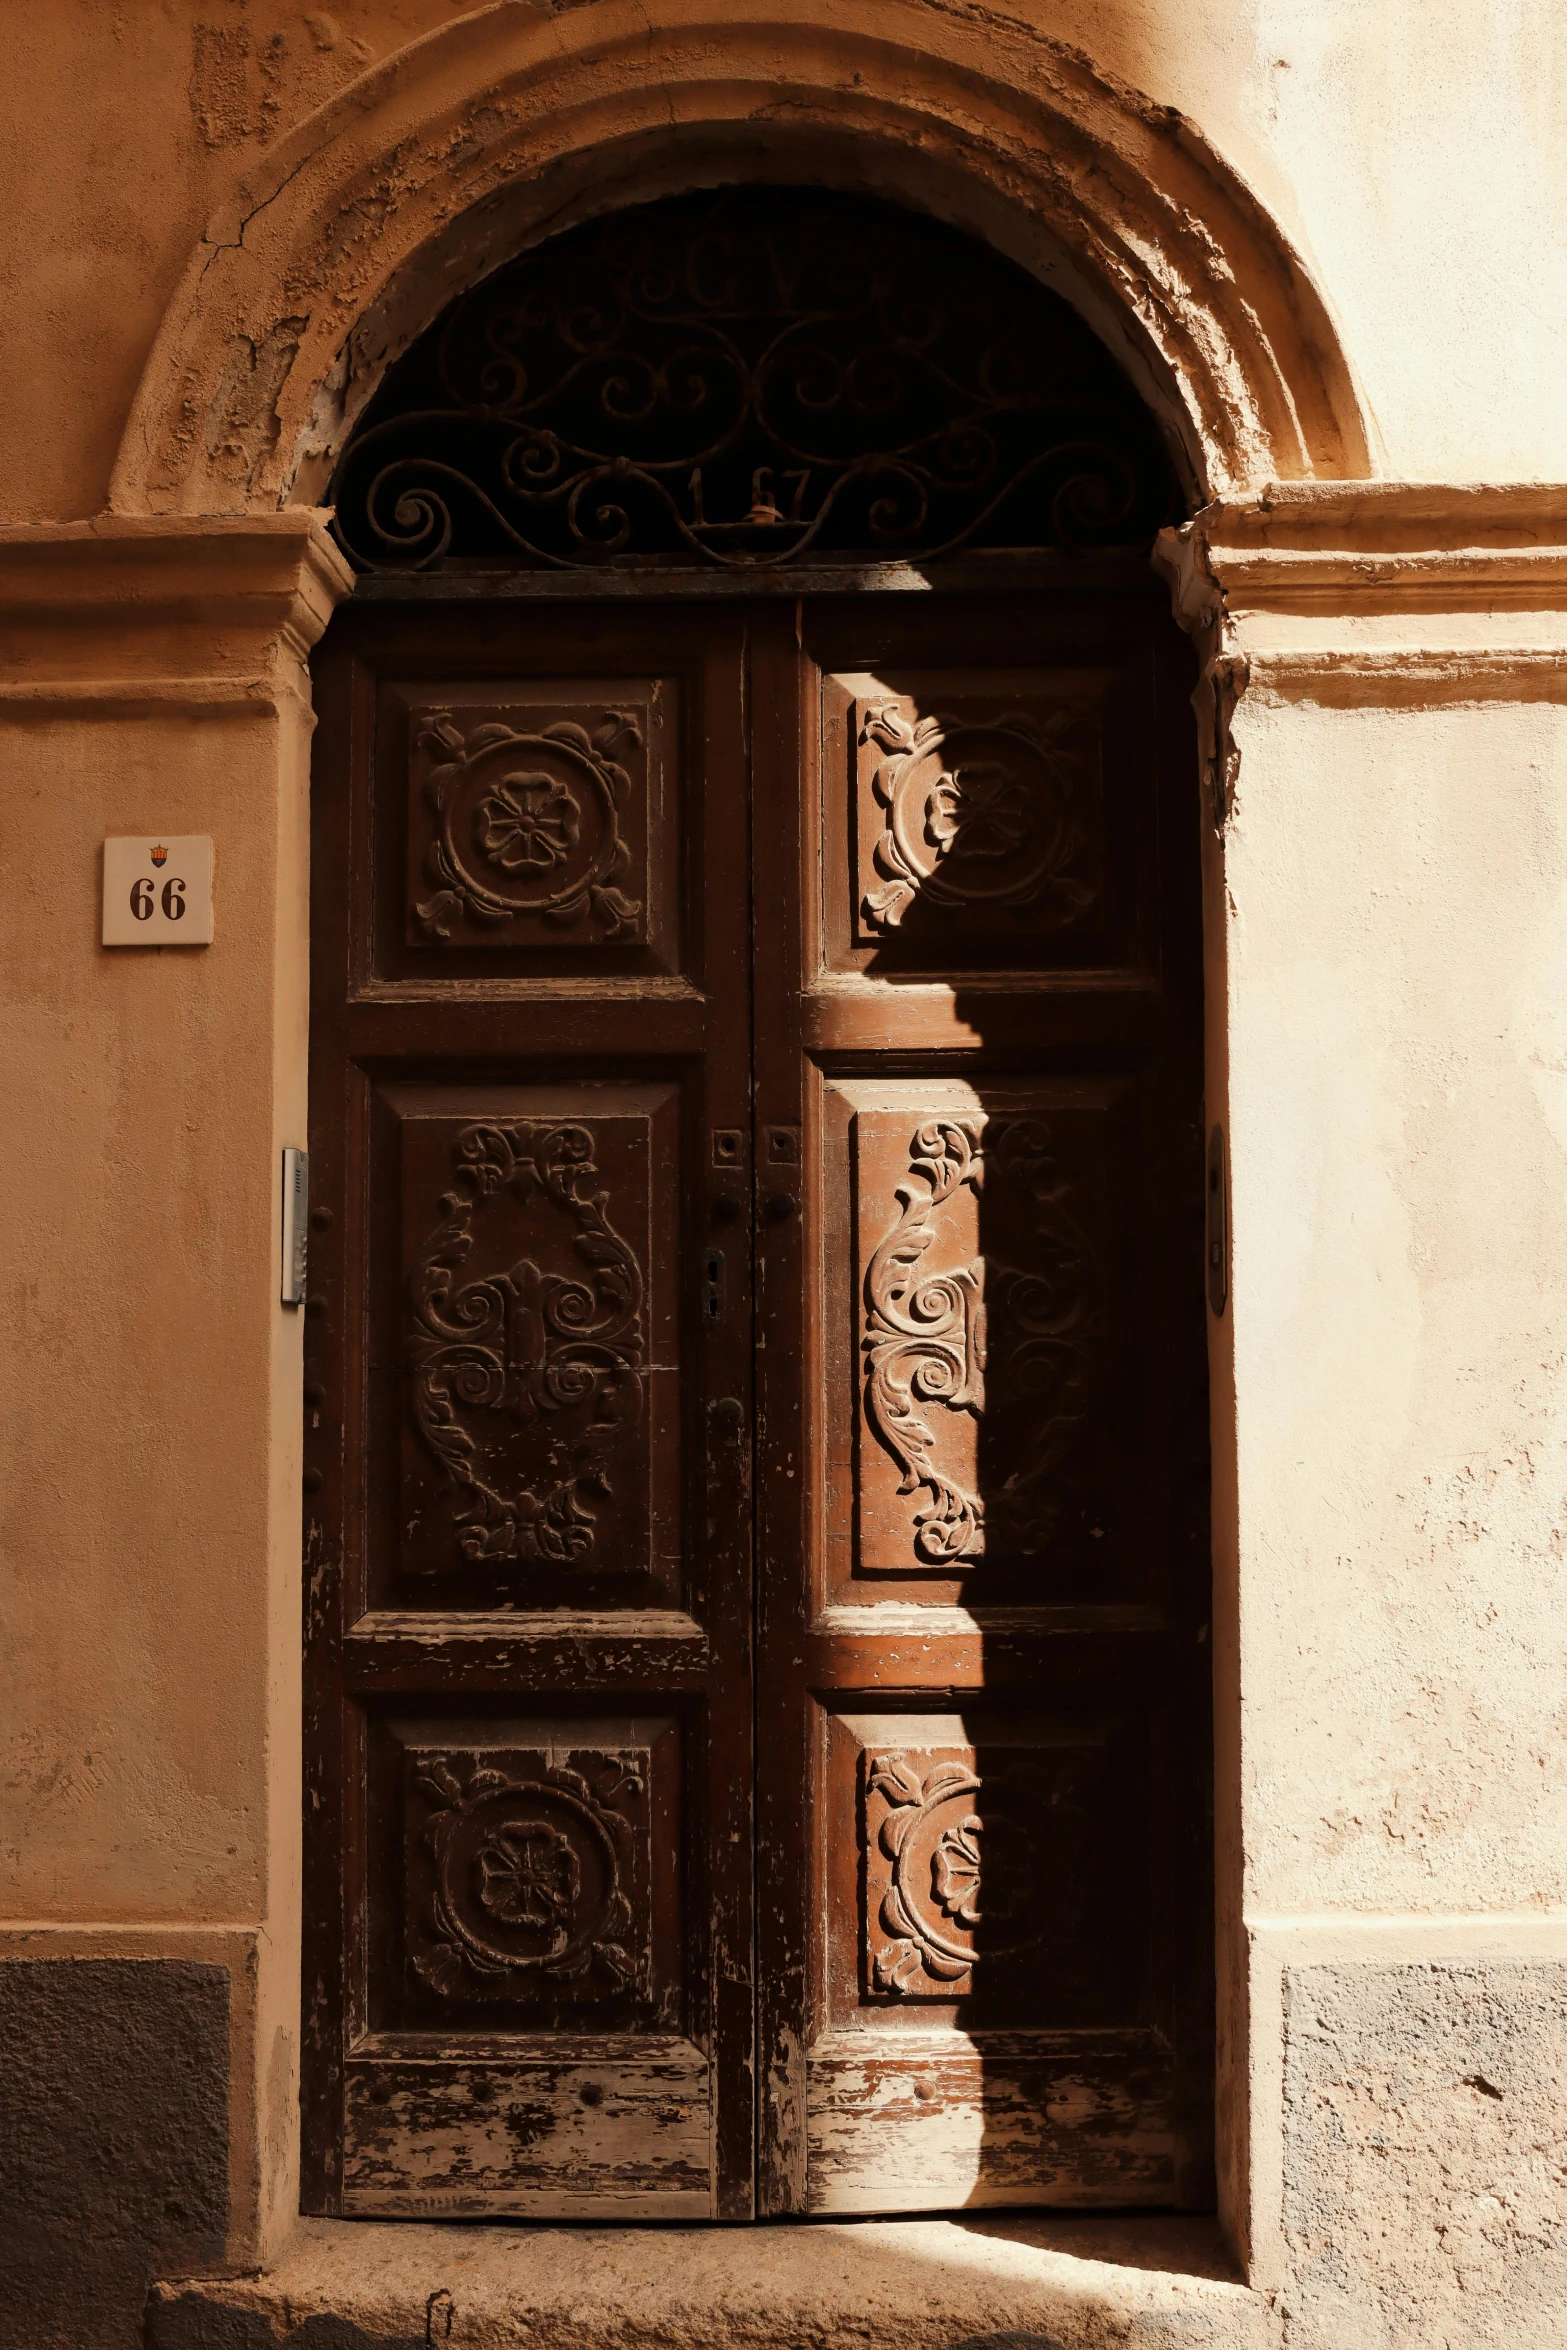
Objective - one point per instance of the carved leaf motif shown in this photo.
(616, 912)
(891, 1776)
(999, 823)
(896, 1966)
(440, 1964)
(436, 914)
(930, 1337)
(441, 1785)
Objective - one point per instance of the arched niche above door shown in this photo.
(334, 251)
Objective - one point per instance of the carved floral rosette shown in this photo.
(533, 1344)
(967, 1883)
(980, 814)
(982, 1332)
(529, 828)
(528, 1895)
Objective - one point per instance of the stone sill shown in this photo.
(923, 2284)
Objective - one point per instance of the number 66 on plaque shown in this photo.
(157, 890)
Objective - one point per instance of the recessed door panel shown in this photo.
(983, 1391)
(539, 823)
(1000, 1868)
(534, 1320)
(533, 1867)
(986, 818)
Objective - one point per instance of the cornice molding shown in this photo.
(1375, 595)
(158, 608)
(1354, 549)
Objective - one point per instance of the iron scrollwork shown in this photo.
(744, 380)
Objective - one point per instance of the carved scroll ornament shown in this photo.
(952, 1875)
(980, 814)
(534, 1343)
(935, 1338)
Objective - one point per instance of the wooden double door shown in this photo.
(756, 1555)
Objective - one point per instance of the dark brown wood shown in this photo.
(528, 1522)
(756, 1096)
(982, 1875)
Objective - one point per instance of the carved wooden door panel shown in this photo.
(983, 1877)
(528, 1352)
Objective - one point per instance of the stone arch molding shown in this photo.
(515, 121)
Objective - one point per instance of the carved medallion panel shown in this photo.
(537, 821)
(984, 826)
(537, 1330)
(539, 1866)
(1001, 1869)
(984, 1325)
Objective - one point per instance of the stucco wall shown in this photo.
(150, 1424)
(1398, 1038)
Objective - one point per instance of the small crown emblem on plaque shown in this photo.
(160, 854)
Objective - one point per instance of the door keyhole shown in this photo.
(712, 1287)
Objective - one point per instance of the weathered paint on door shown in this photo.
(756, 1042)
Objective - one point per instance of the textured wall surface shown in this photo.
(1425, 2181)
(1397, 1035)
(114, 2142)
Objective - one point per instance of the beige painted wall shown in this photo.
(150, 1416)
(1398, 1054)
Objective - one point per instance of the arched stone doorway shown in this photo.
(755, 1415)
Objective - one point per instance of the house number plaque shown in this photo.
(157, 891)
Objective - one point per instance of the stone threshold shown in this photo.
(1067, 2282)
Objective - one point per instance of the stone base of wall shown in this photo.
(1058, 2283)
(1425, 2156)
(114, 2146)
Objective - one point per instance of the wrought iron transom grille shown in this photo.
(747, 379)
